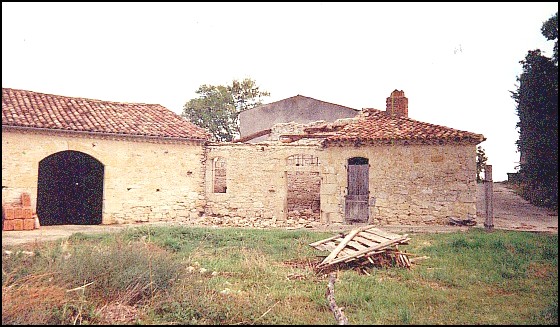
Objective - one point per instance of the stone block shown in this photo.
(18, 224)
(25, 199)
(18, 213)
(8, 225)
(9, 212)
(28, 224)
(27, 213)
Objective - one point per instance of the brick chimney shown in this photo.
(397, 104)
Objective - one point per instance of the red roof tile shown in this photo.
(375, 126)
(21, 108)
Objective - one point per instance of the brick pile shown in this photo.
(18, 216)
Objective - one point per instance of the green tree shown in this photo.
(550, 31)
(480, 162)
(537, 108)
(217, 108)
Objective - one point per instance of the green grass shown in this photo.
(266, 277)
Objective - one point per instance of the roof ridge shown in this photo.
(377, 125)
(423, 122)
(82, 98)
(303, 96)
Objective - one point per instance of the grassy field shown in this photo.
(182, 275)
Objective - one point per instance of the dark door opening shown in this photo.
(357, 208)
(70, 189)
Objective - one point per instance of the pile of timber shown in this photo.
(363, 247)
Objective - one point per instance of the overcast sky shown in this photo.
(456, 62)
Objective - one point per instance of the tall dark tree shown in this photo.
(217, 108)
(550, 31)
(537, 108)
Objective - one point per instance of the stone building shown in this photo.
(255, 123)
(93, 162)
(87, 161)
(379, 167)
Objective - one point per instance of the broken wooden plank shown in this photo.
(339, 248)
(363, 240)
(339, 235)
(347, 252)
(368, 250)
(315, 244)
(381, 233)
(356, 245)
(373, 237)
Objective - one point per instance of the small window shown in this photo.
(219, 175)
(303, 160)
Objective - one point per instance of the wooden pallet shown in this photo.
(359, 243)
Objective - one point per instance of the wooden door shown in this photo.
(356, 208)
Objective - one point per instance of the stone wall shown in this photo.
(303, 198)
(256, 180)
(290, 128)
(408, 184)
(219, 181)
(146, 181)
(143, 181)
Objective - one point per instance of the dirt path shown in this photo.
(514, 213)
(511, 212)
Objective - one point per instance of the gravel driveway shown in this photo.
(514, 213)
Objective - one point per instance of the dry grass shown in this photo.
(240, 276)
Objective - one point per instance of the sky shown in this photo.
(456, 62)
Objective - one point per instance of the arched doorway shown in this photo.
(70, 189)
(357, 208)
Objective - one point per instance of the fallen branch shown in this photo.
(338, 313)
(462, 222)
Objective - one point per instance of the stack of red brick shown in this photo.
(18, 216)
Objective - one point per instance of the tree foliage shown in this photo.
(480, 162)
(537, 108)
(217, 108)
(550, 31)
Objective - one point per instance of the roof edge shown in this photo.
(100, 134)
(299, 95)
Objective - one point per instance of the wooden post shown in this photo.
(488, 198)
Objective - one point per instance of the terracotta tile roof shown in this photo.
(21, 108)
(376, 126)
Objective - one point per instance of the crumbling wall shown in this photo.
(219, 172)
(290, 128)
(408, 184)
(303, 198)
(257, 181)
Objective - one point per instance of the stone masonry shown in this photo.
(143, 180)
(408, 184)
